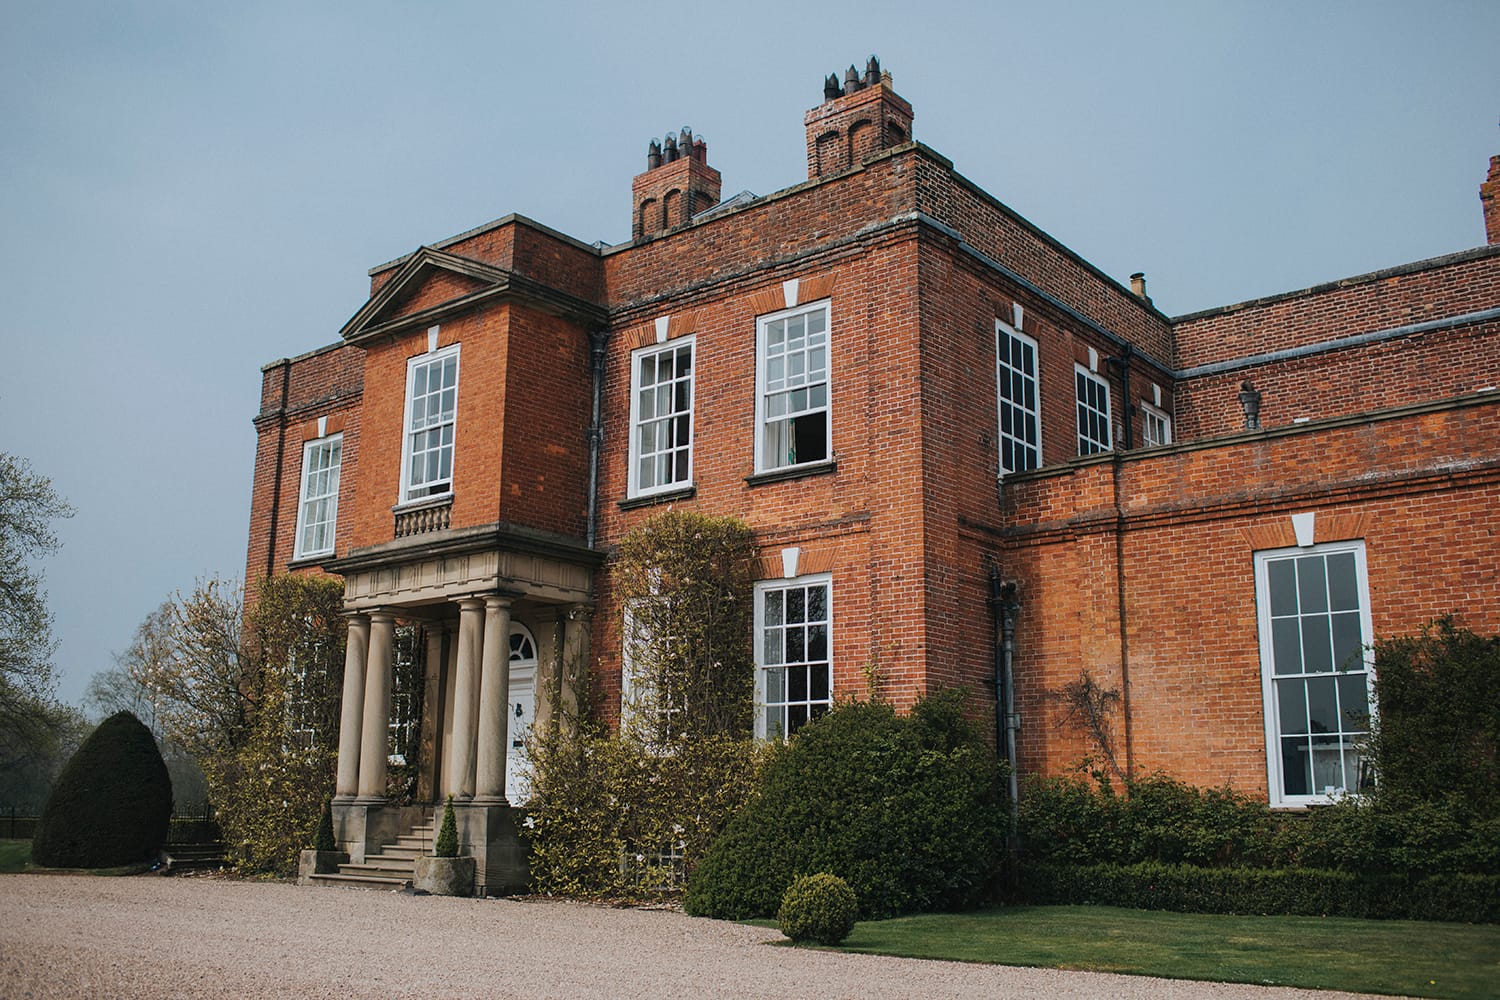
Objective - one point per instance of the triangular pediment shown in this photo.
(427, 284)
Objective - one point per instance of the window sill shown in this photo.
(309, 561)
(794, 472)
(422, 503)
(665, 496)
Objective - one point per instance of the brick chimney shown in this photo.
(677, 184)
(1489, 197)
(855, 121)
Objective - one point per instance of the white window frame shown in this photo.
(763, 387)
(1088, 443)
(1270, 692)
(762, 668)
(662, 426)
(1007, 373)
(1156, 426)
(408, 433)
(325, 502)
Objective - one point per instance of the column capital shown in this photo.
(385, 615)
(470, 603)
(353, 615)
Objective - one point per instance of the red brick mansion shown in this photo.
(969, 457)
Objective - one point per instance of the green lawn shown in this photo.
(14, 854)
(1365, 956)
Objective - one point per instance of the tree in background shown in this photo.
(257, 705)
(30, 719)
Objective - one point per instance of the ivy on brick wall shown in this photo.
(628, 813)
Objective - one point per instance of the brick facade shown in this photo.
(1378, 419)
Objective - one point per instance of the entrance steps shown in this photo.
(392, 868)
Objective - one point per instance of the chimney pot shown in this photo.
(1138, 286)
(653, 155)
(831, 87)
(872, 72)
(851, 80)
(669, 149)
(700, 150)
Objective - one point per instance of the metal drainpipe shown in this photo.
(596, 431)
(1004, 606)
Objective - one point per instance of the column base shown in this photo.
(344, 797)
(368, 800)
(489, 800)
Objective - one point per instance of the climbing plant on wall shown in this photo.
(628, 812)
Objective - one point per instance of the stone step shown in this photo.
(407, 851)
(361, 881)
(374, 864)
(195, 857)
(391, 861)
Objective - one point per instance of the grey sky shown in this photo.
(190, 190)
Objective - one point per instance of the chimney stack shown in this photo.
(678, 184)
(1489, 197)
(855, 121)
(1138, 286)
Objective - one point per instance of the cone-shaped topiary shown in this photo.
(323, 840)
(111, 804)
(818, 908)
(446, 845)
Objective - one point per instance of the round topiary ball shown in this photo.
(112, 803)
(818, 908)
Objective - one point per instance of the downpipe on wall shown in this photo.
(597, 341)
(1005, 608)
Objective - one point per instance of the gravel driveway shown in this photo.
(80, 936)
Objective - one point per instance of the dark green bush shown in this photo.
(1438, 728)
(446, 844)
(324, 841)
(819, 908)
(1304, 891)
(908, 811)
(1157, 818)
(112, 803)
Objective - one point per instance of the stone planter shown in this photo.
(444, 876)
(311, 863)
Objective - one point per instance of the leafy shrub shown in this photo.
(1157, 818)
(268, 787)
(908, 811)
(324, 841)
(1437, 733)
(446, 844)
(615, 817)
(112, 803)
(1151, 885)
(630, 814)
(819, 908)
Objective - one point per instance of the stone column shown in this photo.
(465, 695)
(356, 650)
(494, 704)
(373, 740)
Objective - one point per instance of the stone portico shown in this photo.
(504, 615)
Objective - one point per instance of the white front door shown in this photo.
(522, 710)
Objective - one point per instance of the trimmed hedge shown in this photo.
(112, 803)
(1298, 892)
(909, 811)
